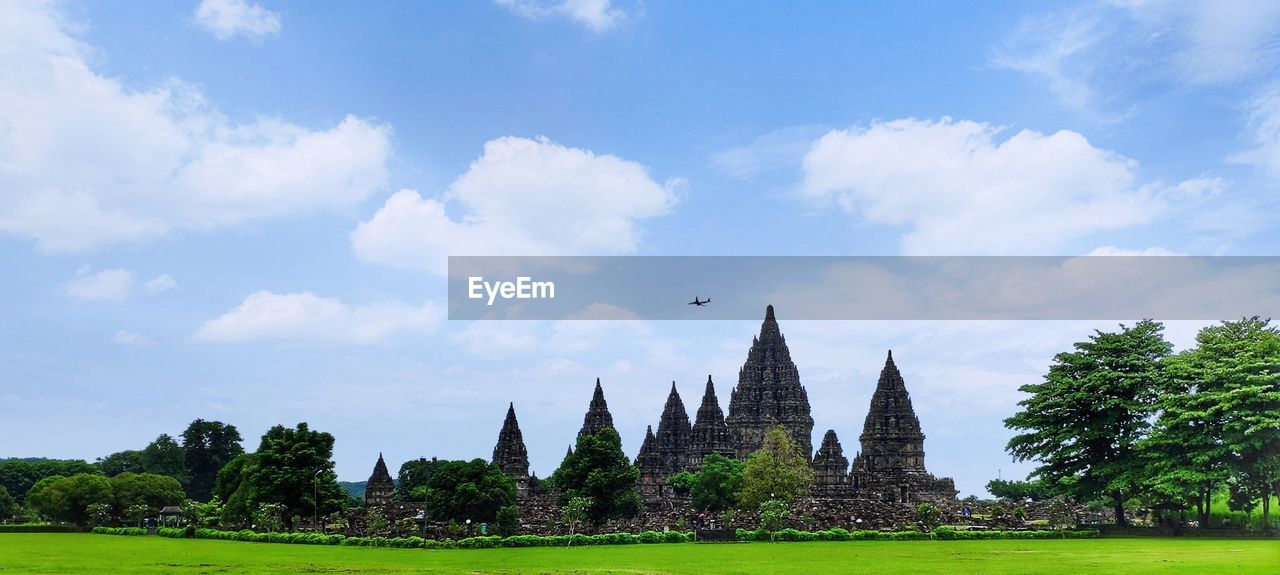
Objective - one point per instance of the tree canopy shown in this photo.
(599, 472)
(715, 487)
(1082, 424)
(476, 490)
(288, 469)
(777, 471)
(207, 446)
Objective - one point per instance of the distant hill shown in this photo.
(354, 488)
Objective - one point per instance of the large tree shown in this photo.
(291, 468)
(777, 471)
(145, 489)
(412, 479)
(476, 490)
(207, 447)
(599, 472)
(1222, 419)
(127, 461)
(18, 475)
(1082, 424)
(69, 498)
(165, 457)
(715, 487)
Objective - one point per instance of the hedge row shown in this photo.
(39, 528)
(119, 531)
(415, 542)
(943, 533)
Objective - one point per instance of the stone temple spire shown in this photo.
(768, 393)
(649, 463)
(673, 434)
(709, 434)
(891, 437)
(379, 487)
(598, 416)
(510, 454)
(830, 466)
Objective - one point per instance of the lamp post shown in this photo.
(315, 500)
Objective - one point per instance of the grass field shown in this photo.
(92, 554)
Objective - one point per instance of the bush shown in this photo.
(117, 530)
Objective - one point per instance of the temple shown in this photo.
(889, 467)
(379, 488)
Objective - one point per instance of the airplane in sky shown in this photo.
(698, 302)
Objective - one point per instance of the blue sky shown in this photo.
(239, 210)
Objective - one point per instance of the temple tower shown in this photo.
(378, 490)
(673, 434)
(709, 434)
(649, 462)
(890, 466)
(598, 416)
(830, 467)
(510, 454)
(768, 393)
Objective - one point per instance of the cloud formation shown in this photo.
(226, 19)
(959, 188)
(596, 15)
(521, 197)
(306, 317)
(114, 284)
(86, 161)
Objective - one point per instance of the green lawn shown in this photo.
(87, 554)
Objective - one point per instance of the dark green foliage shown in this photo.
(716, 485)
(681, 482)
(8, 505)
(1082, 424)
(39, 528)
(600, 472)
(1221, 422)
(18, 475)
(132, 531)
(127, 461)
(207, 446)
(165, 457)
(144, 489)
(475, 490)
(412, 479)
(288, 468)
(508, 522)
(68, 498)
(929, 516)
(1035, 490)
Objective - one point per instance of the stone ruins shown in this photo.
(881, 482)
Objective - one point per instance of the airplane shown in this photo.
(698, 302)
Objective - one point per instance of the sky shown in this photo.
(241, 210)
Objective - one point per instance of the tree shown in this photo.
(290, 466)
(68, 498)
(207, 447)
(600, 472)
(148, 490)
(474, 490)
(165, 457)
(1221, 421)
(1083, 423)
(776, 471)
(127, 461)
(716, 486)
(575, 512)
(773, 513)
(508, 522)
(1035, 490)
(412, 479)
(8, 506)
(929, 516)
(681, 482)
(18, 475)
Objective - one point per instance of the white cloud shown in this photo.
(960, 189)
(110, 284)
(160, 284)
(596, 15)
(86, 161)
(1092, 55)
(1149, 251)
(228, 18)
(303, 316)
(1264, 130)
(522, 197)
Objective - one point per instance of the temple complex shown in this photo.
(888, 468)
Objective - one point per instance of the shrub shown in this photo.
(116, 530)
